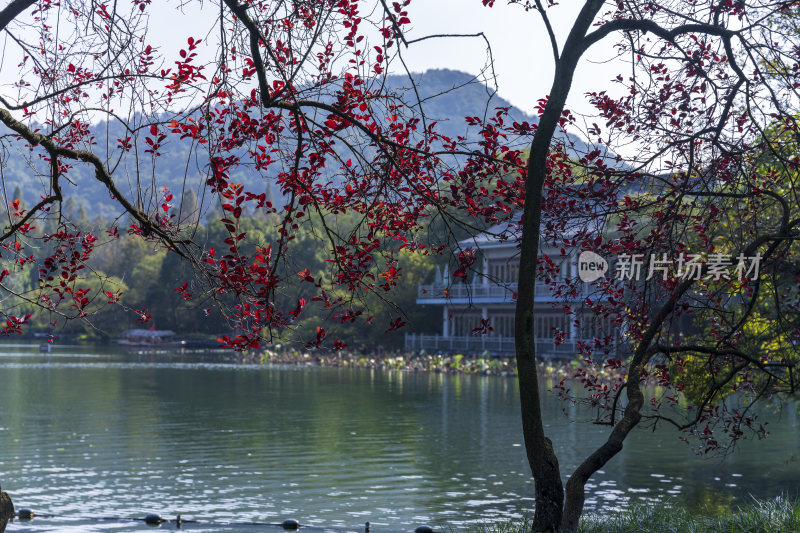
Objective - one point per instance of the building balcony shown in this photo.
(458, 293)
(496, 346)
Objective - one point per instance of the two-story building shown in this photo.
(490, 296)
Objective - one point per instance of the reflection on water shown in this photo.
(107, 434)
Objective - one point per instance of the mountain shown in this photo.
(447, 97)
(450, 95)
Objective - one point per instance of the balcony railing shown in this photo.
(494, 291)
(496, 346)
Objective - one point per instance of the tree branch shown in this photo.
(550, 33)
(646, 26)
(101, 173)
(13, 10)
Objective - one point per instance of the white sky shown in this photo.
(523, 59)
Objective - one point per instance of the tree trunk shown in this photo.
(541, 455)
(539, 449)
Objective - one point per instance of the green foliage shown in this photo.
(148, 280)
(378, 308)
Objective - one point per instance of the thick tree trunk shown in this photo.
(541, 455)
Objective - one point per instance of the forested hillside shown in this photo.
(447, 97)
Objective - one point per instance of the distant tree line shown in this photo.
(140, 286)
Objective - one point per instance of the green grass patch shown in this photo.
(781, 515)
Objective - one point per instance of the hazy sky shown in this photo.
(523, 59)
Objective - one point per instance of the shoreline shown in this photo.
(393, 360)
(550, 369)
(406, 362)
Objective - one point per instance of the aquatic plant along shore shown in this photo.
(419, 362)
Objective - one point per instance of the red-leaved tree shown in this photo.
(691, 168)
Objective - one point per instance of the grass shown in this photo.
(780, 515)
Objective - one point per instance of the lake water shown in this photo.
(96, 432)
